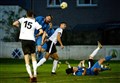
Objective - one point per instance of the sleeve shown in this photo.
(38, 26)
(60, 31)
(38, 19)
(21, 19)
(78, 73)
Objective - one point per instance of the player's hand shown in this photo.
(37, 35)
(62, 46)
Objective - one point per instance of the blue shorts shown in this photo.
(38, 42)
(96, 65)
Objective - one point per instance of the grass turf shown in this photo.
(13, 71)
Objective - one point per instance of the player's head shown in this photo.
(63, 25)
(48, 18)
(29, 14)
(69, 70)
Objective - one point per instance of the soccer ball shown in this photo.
(63, 5)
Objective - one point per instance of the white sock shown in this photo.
(69, 66)
(102, 66)
(41, 62)
(35, 68)
(83, 65)
(54, 65)
(95, 52)
(29, 70)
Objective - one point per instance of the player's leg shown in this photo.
(48, 51)
(26, 51)
(68, 64)
(39, 47)
(55, 62)
(95, 51)
(34, 63)
(43, 60)
(27, 64)
(97, 66)
(41, 54)
(82, 63)
(108, 58)
(92, 55)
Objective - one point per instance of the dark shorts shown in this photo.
(51, 47)
(28, 46)
(91, 61)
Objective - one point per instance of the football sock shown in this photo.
(107, 58)
(54, 65)
(83, 65)
(41, 62)
(29, 70)
(69, 66)
(95, 52)
(35, 68)
(103, 69)
(40, 55)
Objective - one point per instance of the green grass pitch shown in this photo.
(13, 71)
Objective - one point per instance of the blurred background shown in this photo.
(88, 21)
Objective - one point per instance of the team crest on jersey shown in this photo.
(16, 53)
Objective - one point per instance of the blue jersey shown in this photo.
(79, 72)
(50, 32)
(45, 26)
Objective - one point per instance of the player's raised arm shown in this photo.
(16, 23)
(59, 40)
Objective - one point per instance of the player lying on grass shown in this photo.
(93, 70)
(51, 47)
(28, 26)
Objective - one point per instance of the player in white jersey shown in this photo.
(28, 25)
(51, 47)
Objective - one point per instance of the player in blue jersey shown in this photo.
(94, 70)
(44, 22)
(91, 70)
(49, 32)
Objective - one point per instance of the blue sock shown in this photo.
(40, 55)
(103, 69)
(107, 58)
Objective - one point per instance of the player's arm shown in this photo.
(84, 72)
(40, 32)
(16, 23)
(43, 37)
(59, 40)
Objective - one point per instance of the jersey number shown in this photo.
(28, 24)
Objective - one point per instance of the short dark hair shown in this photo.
(69, 70)
(30, 13)
(50, 16)
(62, 23)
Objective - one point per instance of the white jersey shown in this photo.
(28, 27)
(53, 37)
